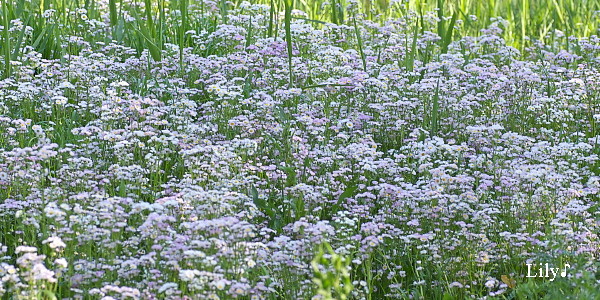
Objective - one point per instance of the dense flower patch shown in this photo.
(428, 173)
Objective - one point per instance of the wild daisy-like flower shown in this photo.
(61, 262)
(60, 100)
(55, 243)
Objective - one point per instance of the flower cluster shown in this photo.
(211, 175)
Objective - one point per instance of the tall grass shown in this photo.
(112, 6)
(6, 39)
(289, 4)
(527, 20)
(183, 7)
(360, 45)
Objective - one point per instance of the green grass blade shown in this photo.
(6, 39)
(447, 38)
(288, 36)
(149, 19)
(410, 57)
(223, 8)
(154, 50)
(112, 7)
(435, 110)
(334, 18)
(524, 18)
(17, 46)
(271, 18)
(183, 7)
(310, 20)
(360, 45)
(440, 15)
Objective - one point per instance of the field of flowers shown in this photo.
(199, 149)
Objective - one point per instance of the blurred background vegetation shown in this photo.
(58, 27)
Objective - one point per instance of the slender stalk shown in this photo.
(360, 45)
(435, 110)
(112, 7)
(223, 7)
(271, 17)
(183, 7)
(288, 36)
(440, 14)
(149, 21)
(334, 18)
(6, 36)
(524, 18)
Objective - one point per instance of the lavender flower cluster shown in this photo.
(126, 178)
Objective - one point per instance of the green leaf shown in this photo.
(410, 57)
(310, 20)
(440, 13)
(223, 9)
(289, 4)
(152, 47)
(291, 175)
(261, 203)
(122, 189)
(349, 192)
(248, 84)
(112, 7)
(360, 45)
(40, 37)
(449, 32)
(254, 194)
(49, 295)
(17, 46)
(120, 30)
(20, 9)
(149, 19)
(271, 17)
(448, 296)
(6, 45)
(282, 116)
(346, 194)
(435, 110)
(300, 207)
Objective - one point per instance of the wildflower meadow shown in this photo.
(299, 149)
